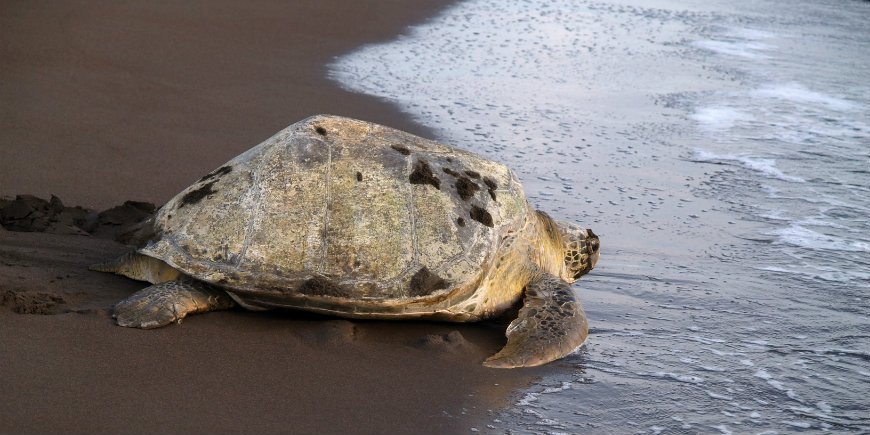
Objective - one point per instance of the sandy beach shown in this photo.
(102, 103)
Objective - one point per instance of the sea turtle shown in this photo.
(350, 218)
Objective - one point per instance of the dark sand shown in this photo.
(109, 101)
(105, 102)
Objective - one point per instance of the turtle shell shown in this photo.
(341, 209)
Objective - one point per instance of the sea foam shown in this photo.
(719, 117)
(744, 49)
(798, 93)
(764, 166)
(803, 237)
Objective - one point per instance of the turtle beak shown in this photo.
(594, 246)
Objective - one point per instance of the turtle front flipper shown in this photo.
(550, 325)
(170, 301)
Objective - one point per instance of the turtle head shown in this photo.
(581, 249)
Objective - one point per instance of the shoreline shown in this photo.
(105, 104)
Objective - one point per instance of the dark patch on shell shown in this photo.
(460, 222)
(473, 174)
(449, 171)
(320, 286)
(401, 149)
(423, 175)
(481, 215)
(359, 176)
(491, 186)
(197, 195)
(466, 188)
(320, 130)
(217, 173)
(425, 283)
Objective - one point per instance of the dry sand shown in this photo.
(110, 101)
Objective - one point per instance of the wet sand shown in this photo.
(104, 103)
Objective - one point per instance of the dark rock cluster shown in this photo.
(29, 213)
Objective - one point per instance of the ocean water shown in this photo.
(722, 152)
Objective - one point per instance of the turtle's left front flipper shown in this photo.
(170, 301)
(550, 325)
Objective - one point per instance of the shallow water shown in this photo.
(722, 153)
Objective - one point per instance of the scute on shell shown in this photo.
(345, 209)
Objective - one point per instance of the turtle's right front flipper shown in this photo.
(170, 301)
(550, 325)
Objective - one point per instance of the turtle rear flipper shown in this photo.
(170, 301)
(550, 325)
(139, 267)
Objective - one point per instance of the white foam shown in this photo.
(744, 49)
(824, 407)
(797, 235)
(533, 412)
(758, 342)
(719, 117)
(762, 373)
(527, 399)
(549, 422)
(776, 384)
(825, 273)
(565, 386)
(677, 377)
(768, 168)
(798, 93)
(800, 424)
(821, 222)
(723, 429)
(719, 396)
(764, 166)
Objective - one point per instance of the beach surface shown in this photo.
(105, 103)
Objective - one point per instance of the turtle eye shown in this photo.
(593, 240)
